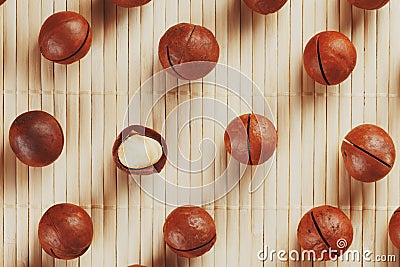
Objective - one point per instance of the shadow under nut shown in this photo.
(65, 37)
(368, 153)
(321, 228)
(329, 57)
(265, 6)
(188, 51)
(130, 3)
(65, 231)
(369, 4)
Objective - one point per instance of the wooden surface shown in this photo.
(90, 100)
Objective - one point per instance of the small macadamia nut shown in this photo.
(394, 228)
(325, 230)
(130, 3)
(265, 6)
(369, 4)
(65, 231)
(65, 37)
(188, 51)
(36, 138)
(190, 231)
(251, 139)
(140, 150)
(329, 57)
(368, 153)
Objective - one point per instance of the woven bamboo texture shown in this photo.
(91, 98)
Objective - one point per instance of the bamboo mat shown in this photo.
(90, 99)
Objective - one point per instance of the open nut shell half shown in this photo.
(145, 132)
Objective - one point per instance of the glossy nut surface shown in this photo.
(143, 131)
(265, 6)
(329, 58)
(324, 229)
(130, 3)
(36, 138)
(65, 231)
(188, 51)
(368, 153)
(394, 228)
(189, 231)
(251, 139)
(369, 4)
(65, 37)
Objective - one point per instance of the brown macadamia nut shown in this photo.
(65, 37)
(130, 3)
(190, 231)
(394, 228)
(265, 6)
(251, 139)
(325, 230)
(65, 231)
(369, 4)
(140, 150)
(188, 51)
(368, 153)
(36, 138)
(329, 57)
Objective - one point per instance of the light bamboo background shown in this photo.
(90, 99)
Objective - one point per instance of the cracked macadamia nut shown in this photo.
(65, 37)
(368, 153)
(140, 150)
(251, 139)
(394, 228)
(188, 51)
(36, 138)
(190, 231)
(130, 3)
(329, 57)
(325, 230)
(369, 4)
(65, 231)
(265, 6)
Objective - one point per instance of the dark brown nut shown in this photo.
(36, 138)
(265, 6)
(139, 150)
(251, 139)
(65, 37)
(394, 228)
(190, 231)
(368, 153)
(65, 231)
(188, 51)
(325, 230)
(369, 4)
(329, 57)
(130, 3)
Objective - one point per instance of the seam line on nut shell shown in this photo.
(186, 45)
(320, 233)
(193, 249)
(80, 48)
(321, 67)
(368, 153)
(172, 66)
(248, 139)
